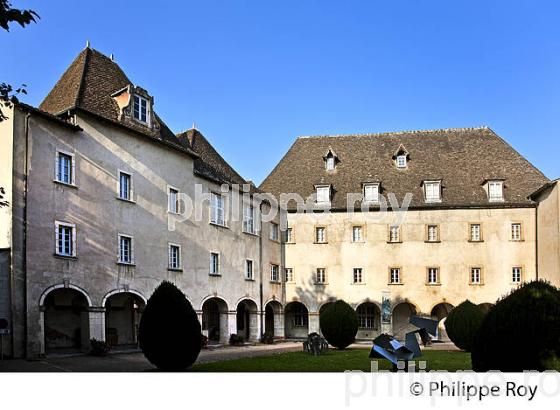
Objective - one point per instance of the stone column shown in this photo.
(254, 326)
(279, 331)
(232, 322)
(314, 322)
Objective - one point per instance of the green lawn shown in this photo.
(333, 361)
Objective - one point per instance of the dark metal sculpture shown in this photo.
(315, 344)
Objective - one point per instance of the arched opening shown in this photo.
(66, 321)
(122, 319)
(215, 320)
(401, 319)
(485, 307)
(296, 320)
(369, 320)
(247, 320)
(439, 312)
(273, 319)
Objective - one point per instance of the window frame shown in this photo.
(214, 210)
(364, 317)
(330, 160)
(316, 237)
(470, 236)
(360, 276)
(274, 273)
(73, 251)
(249, 218)
(249, 273)
(148, 109)
(480, 277)
(360, 228)
(390, 234)
(120, 260)
(375, 199)
(511, 231)
(324, 280)
(179, 266)
(289, 235)
(400, 157)
(399, 275)
(72, 167)
(499, 183)
(439, 193)
(274, 234)
(437, 237)
(429, 270)
(130, 198)
(521, 271)
(214, 267)
(328, 193)
(177, 200)
(291, 277)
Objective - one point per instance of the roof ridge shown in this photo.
(375, 134)
(82, 78)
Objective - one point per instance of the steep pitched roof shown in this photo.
(210, 163)
(461, 158)
(88, 84)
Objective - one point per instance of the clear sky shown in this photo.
(254, 75)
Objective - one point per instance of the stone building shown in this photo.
(98, 188)
(105, 202)
(480, 220)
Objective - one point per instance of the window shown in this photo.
(320, 235)
(125, 186)
(300, 316)
(394, 233)
(126, 251)
(274, 231)
(289, 235)
(274, 273)
(141, 109)
(174, 256)
(401, 161)
(321, 276)
(476, 276)
(366, 316)
(357, 234)
(495, 191)
(330, 163)
(217, 215)
(395, 276)
(173, 198)
(433, 233)
(357, 276)
(323, 194)
(371, 192)
(65, 239)
(249, 219)
(475, 233)
(249, 270)
(433, 276)
(516, 232)
(516, 274)
(289, 273)
(432, 191)
(64, 168)
(214, 264)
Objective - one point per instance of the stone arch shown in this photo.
(274, 318)
(247, 319)
(123, 310)
(296, 320)
(64, 319)
(215, 319)
(400, 317)
(439, 312)
(369, 320)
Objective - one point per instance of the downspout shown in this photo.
(24, 250)
(261, 275)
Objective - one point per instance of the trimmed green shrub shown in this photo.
(170, 334)
(462, 323)
(339, 324)
(236, 340)
(522, 332)
(99, 348)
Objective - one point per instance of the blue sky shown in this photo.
(254, 75)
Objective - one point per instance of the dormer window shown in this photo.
(432, 191)
(141, 111)
(401, 161)
(330, 163)
(495, 191)
(371, 192)
(323, 194)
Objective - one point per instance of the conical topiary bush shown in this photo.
(339, 324)
(170, 334)
(462, 323)
(522, 332)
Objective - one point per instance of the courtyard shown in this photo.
(281, 357)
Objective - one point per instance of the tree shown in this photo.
(170, 333)
(462, 324)
(2, 202)
(8, 15)
(339, 324)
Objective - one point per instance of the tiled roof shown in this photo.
(89, 84)
(463, 159)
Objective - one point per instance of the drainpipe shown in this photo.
(261, 275)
